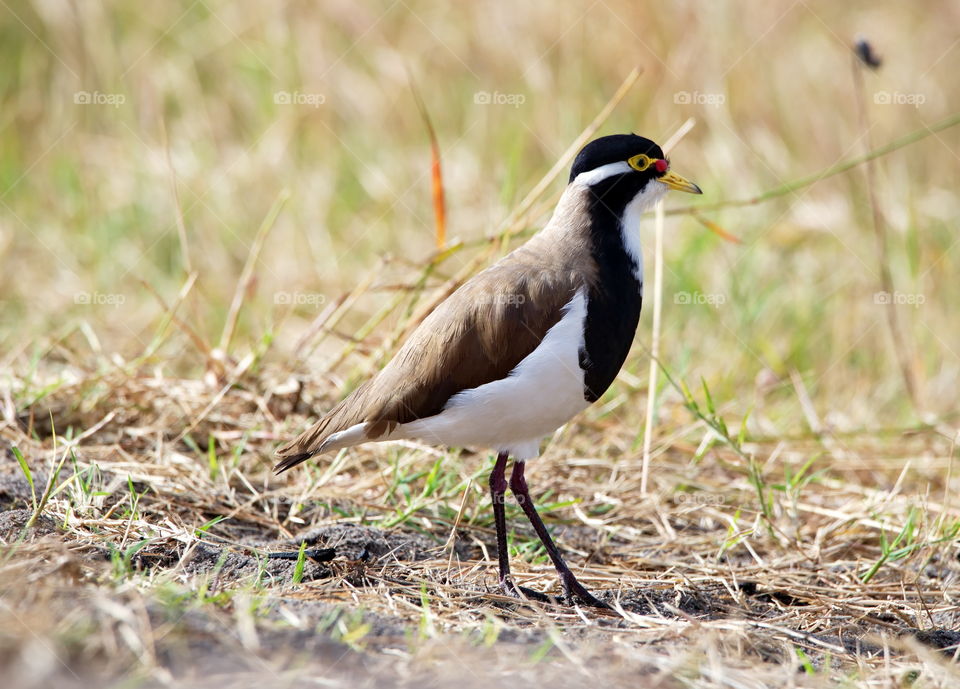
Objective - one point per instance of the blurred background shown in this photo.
(140, 143)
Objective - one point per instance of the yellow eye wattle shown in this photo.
(640, 162)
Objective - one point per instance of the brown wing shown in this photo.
(477, 335)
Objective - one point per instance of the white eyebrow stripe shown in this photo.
(600, 173)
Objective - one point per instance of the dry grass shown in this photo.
(193, 275)
(122, 577)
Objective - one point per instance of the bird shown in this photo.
(523, 346)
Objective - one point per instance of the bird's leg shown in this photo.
(572, 589)
(498, 491)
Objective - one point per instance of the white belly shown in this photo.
(513, 414)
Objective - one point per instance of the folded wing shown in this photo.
(477, 335)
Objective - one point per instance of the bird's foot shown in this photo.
(574, 592)
(523, 593)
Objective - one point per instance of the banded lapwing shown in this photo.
(525, 345)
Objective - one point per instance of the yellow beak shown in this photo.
(678, 183)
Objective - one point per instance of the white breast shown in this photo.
(513, 414)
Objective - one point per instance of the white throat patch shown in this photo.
(630, 225)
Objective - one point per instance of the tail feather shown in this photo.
(304, 446)
(292, 461)
(312, 441)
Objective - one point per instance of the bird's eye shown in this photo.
(640, 162)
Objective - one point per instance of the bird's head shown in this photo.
(626, 166)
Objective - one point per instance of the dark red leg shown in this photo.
(498, 489)
(572, 589)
